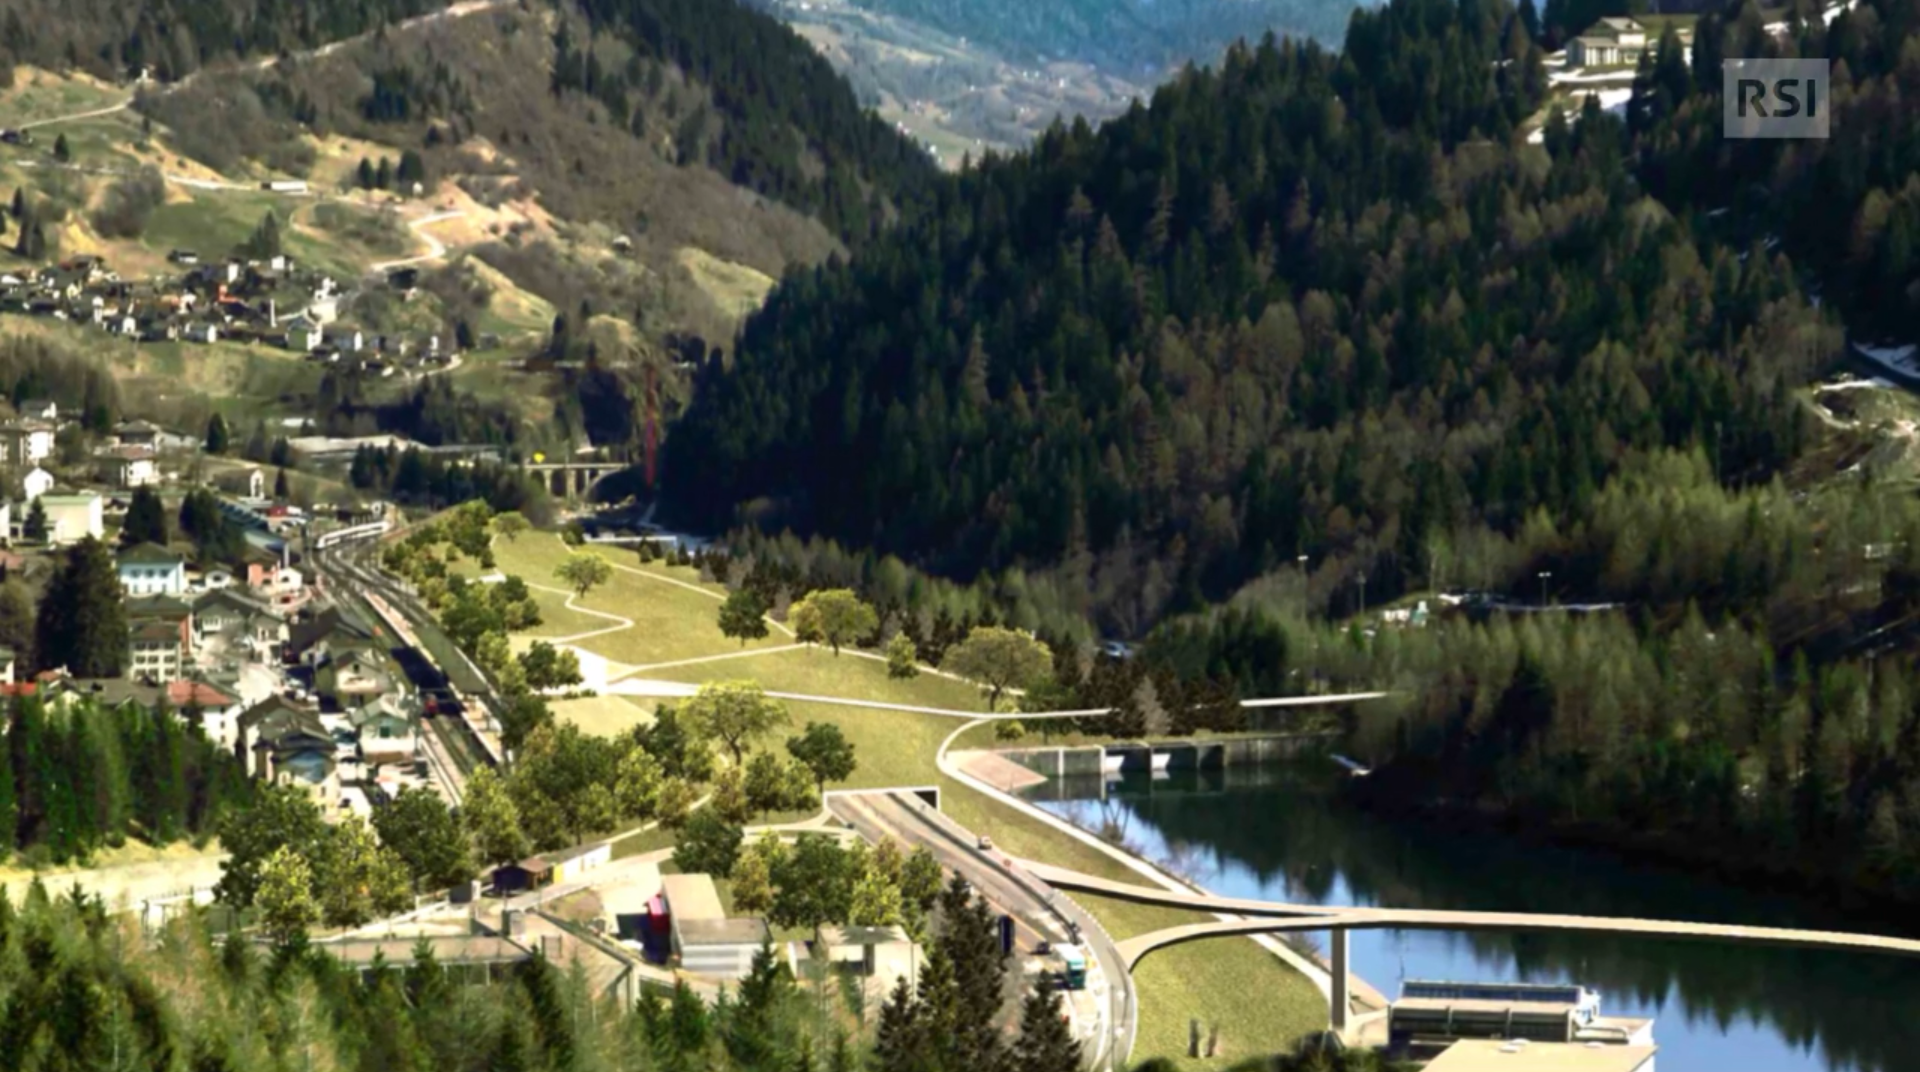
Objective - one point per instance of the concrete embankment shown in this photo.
(1128, 757)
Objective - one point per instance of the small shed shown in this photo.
(569, 865)
(532, 873)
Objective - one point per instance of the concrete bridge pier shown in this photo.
(1341, 995)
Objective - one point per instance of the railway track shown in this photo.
(452, 744)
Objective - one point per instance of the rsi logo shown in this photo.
(1775, 98)
(1786, 93)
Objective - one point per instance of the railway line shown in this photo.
(454, 746)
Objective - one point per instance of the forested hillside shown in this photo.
(1846, 208)
(1305, 305)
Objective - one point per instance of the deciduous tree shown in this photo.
(744, 615)
(583, 571)
(708, 845)
(735, 713)
(833, 616)
(285, 896)
(999, 659)
(827, 753)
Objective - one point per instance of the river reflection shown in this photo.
(1279, 833)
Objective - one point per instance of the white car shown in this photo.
(986, 843)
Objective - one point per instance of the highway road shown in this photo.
(1041, 914)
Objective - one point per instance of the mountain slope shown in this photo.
(1305, 305)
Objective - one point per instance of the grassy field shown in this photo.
(670, 622)
(36, 95)
(556, 618)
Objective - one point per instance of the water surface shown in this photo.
(1280, 833)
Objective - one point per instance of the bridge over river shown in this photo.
(1272, 917)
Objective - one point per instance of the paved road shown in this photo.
(1042, 914)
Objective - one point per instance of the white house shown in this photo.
(130, 467)
(72, 518)
(25, 442)
(40, 409)
(151, 570)
(37, 483)
(1620, 41)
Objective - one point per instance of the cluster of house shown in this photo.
(303, 695)
(271, 301)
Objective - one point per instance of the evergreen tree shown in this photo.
(82, 623)
(280, 492)
(265, 241)
(1045, 1043)
(34, 528)
(146, 520)
(218, 437)
(62, 152)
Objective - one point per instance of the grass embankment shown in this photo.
(1259, 1003)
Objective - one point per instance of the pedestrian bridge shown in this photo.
(1271, 917)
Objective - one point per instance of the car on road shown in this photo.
(986, 843)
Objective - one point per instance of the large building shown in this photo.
(72, 518)
(159, 638)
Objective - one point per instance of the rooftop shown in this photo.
(691, 898)
(1493, 1055)
(149, 554)
(839, 936)
(721, 931)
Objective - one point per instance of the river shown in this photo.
(1280, 833)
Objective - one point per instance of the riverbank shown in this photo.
(1260, 994)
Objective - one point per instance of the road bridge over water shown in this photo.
(1273, 917)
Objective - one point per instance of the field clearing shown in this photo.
(557, 619)
(670, 622)
(36, 94)
(734, 288)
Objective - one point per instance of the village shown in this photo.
(270, 301)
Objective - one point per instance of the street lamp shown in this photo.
(1363, 595)
(1545, 575)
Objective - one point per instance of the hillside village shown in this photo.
(270, 301)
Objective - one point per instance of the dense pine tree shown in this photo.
(82, 622)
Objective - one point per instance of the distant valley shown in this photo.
(983, 75)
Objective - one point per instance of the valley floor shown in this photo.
(658, 624)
